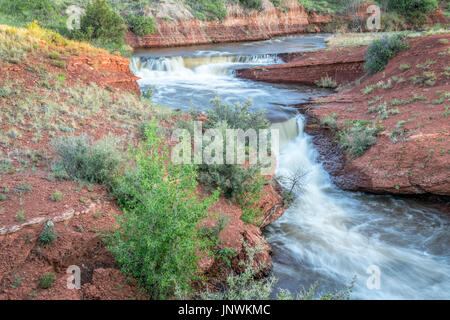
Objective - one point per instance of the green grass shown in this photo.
(328, 6)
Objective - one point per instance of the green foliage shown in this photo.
(48, 234)
(252, 4)
(141, 25)
(158, 240)
(329, 121)
(208, 9)
(326, 82)
(358, 138)
(245, 286)
(327, 6)
(47, 280)
(414, 10)
(79, 158)
(101, 23)
(29, 10)
(57, 196)
(233, 180)
(381, 50)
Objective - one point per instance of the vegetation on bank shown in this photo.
(104, 22)
(380, 51)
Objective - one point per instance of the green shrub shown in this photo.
(358, 138)
(329, 121)
(326, 82)
(252, 4)
(208, 9)
(141, 25)
(47, 280)
(79, 158)
(57, 196)
(54, 55)
(102, 23)
(58, 64)
(414, 10)
(21, 216)
(381, 50)
(48, 234)
(158, 240)
(29, 10)
(234, 180)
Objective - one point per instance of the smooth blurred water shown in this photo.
(329, 236)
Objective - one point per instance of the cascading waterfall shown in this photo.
(331, 236)
(182, 82)
(197, 63)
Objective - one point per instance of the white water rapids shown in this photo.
(328, 235)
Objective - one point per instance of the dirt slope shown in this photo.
(59, 87)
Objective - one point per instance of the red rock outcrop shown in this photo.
(343, 65)
(412, 152)
(240, 25)
(107, 69)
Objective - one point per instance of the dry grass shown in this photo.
(362, 39)
(18, 43)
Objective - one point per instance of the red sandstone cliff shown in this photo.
(412, 152)
(240, 25)
(343, 65)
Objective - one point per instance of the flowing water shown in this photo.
(328, 235)
(190, 77)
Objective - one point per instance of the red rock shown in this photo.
(343, 65)
(238, 26)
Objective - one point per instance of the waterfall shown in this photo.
(331, 235)
(213, 64)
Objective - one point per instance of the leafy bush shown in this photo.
(79, 158)
(234, 180)
(29, 10)
(381, 50)
(48, 234)
(57, 196)
(414, 10)
(47, 280)
(326, 82)
(358, 138)
(208, 9)
(158, 240)
(329, 121)
(100, 22)
(252, 4)
(141, 25)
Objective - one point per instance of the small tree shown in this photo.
(381, 50)
(159, 240)
(414, 10)
(141, 25)
(101, 22)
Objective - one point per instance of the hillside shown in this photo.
(409, 102)
(51, 87)
(189, 22)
